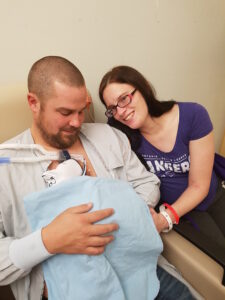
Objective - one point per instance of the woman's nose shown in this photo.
(120, 111)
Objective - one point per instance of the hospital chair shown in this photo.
(203, 272)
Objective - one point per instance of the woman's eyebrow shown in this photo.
(123, 94)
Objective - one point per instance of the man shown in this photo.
(57, 98)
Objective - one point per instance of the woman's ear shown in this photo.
(33, 102)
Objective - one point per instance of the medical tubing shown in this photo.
(45, 155)
(4, 160)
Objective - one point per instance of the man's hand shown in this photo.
(73, 231)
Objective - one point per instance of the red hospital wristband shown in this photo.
(173, 212)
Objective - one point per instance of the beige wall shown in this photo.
(178, 44)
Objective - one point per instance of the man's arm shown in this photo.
(145, 183)
(73, 231)
(8, 271)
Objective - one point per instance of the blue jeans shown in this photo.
(171, 288)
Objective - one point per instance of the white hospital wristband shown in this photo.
(27, 252)
(168, 219)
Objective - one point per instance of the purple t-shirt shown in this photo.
(173, 167)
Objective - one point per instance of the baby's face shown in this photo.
(58, 172)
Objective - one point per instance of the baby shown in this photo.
(60, 171)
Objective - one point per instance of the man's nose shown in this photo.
(76, 121)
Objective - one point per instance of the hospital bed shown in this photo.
(203, 272)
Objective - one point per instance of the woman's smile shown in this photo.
(129, 116)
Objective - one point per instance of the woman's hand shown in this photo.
(159, 220)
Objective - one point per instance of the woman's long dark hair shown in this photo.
(156, 108)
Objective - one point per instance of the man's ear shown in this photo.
(33, 102)
(89, 99)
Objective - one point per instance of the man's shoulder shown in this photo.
(97, 128)
(103, 132)
(94, 127)
(104, 135)
(22, 138)
(107, 140)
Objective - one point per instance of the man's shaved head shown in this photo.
(49, 69)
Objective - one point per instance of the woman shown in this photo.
(167, 136)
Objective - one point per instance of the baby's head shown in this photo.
(62, 171)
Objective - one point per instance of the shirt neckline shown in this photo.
(146, 142)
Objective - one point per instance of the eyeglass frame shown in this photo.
(111, 110)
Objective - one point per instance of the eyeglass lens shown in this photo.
(122, 102)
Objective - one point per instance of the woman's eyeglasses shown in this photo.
(122, 102)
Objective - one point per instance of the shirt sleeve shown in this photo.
(18, 256)
(201, 124)
(145, 183)
(27, 252)
(8, 271)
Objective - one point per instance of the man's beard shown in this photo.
(59, 140)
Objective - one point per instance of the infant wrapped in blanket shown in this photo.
(127, 268)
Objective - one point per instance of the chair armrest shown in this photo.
(200, 270)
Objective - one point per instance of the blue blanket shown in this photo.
(127, 269)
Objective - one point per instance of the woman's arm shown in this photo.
(201, 165)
